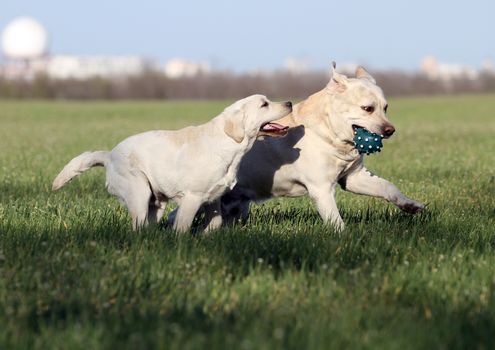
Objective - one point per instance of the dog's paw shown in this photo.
(412, 206)
(338, 226)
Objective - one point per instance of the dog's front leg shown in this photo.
(324, 199)
(362, 181)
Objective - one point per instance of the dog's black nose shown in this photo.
(389, 130)
(288, 104)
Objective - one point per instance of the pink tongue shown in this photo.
(273, 127)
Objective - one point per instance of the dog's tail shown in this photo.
(78, 165)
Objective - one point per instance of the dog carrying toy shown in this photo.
(367, 142)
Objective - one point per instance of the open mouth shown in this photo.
(273, 129)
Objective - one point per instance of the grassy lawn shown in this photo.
(74, 276)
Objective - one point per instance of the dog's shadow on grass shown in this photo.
(366, 216)
(388, 215)
(273, 238)
(297, 238)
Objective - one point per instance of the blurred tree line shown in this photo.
(223, 85)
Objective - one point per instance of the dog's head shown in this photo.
(253, 116)
(357, 102)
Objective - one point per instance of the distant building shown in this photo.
(488, 66)
(24, 39)
(296, 65)
(178, 68)
(83, 67)
(24, 46)
(447, 71)
(78, 67)
(25, 50)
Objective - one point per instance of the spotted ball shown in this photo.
(367, 142)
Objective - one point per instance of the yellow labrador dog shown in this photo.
(192, 166)
(318, 153)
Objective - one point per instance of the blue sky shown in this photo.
(244, 35)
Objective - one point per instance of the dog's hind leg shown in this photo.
(213, 216)
(135, 193)
(188, 207)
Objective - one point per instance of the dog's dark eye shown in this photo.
(385, 108)
(368, 109)
(265, 104)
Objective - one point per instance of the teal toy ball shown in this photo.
(367, 142)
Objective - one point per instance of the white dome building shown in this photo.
(24, 39)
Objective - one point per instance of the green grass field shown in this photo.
(74, 276)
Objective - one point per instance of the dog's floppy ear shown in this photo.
(362, 73)
(234, 125)
(338, 82)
